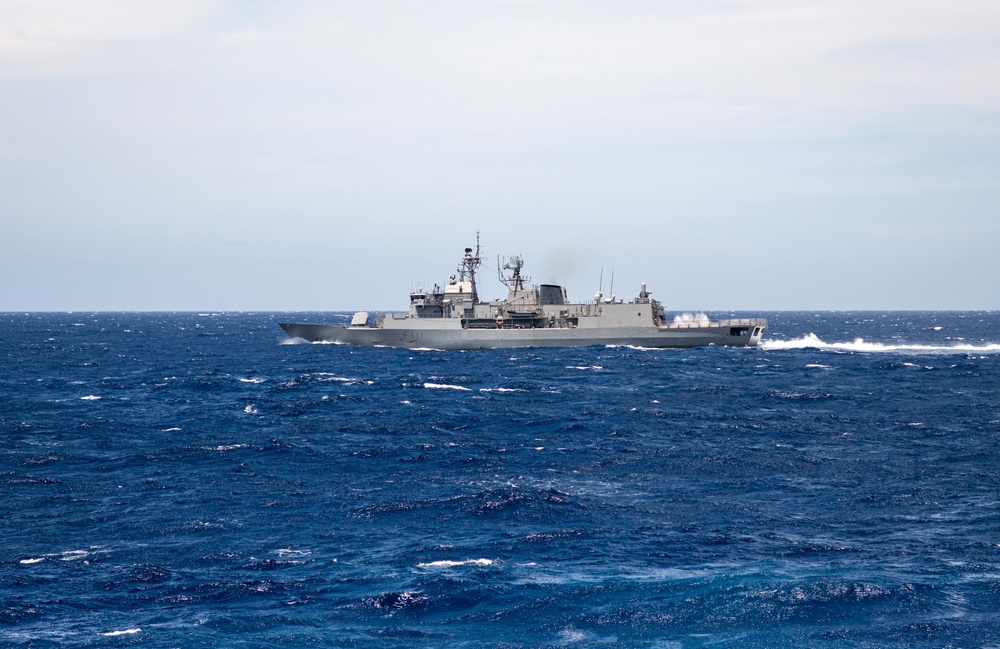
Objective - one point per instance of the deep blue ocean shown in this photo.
(198, 480)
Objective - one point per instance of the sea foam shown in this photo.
(455, 564)
(445, 386)
(122, 632)
(812, 341)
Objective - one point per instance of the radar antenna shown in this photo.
(514, 282)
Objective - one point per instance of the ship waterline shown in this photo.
(530, 316)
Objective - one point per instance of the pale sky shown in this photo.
(296, 155)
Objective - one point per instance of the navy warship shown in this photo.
(530, 316)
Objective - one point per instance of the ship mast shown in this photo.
(467, 269)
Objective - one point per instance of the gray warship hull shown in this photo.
(744, 332)
(454, 317)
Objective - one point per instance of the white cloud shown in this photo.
(41, 37)
(259, 36)
(832, 54)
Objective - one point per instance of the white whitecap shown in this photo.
(572, 636)
(32, 560)
(225, 447)
(251, 409)
(122, 632)
(817, 366)
(90, 397)
(455, 564)
(326, 376)
(585, 367)
(500, 390)
(170, 430)
(73, 555)
(445, 386)
(253, 380)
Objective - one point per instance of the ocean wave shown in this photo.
(812, 341)
(392, 602)
(327, 376)
(751, 498)
(74, 555)
(225, 447)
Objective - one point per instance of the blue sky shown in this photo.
(334, 156)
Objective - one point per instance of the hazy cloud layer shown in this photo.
(301, 155)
